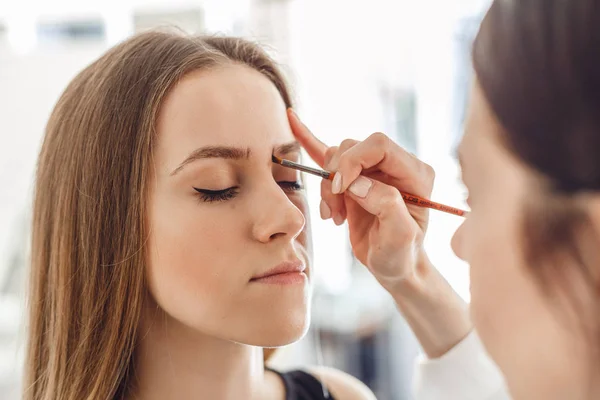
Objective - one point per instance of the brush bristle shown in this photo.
(276, 160)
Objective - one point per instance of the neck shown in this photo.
(177, 362)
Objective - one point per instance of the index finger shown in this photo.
(313, 146)
(381, 152)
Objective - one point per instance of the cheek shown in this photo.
(489, 241)
(190, 257)
(501, 289)
(490, 246)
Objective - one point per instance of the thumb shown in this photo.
(384, 202)
(394, 236)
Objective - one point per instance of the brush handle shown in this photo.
(421, 202)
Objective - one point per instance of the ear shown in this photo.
(591, 236)
(593, 205)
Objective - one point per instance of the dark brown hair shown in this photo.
(89, 228)
(538, 65)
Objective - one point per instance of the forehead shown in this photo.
(480, 124)
(228, 105)
(483, 146)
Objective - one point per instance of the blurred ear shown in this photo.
(592, 249)
(594, 209)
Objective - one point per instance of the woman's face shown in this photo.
(222, 214)
(521, 328)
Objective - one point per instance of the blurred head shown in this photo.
(155, 191)
(530, 161)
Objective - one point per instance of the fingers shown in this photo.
(386, 203)
(378, 152)
(375, 197)
(332, 162)
(335, 202)
(314, 147)
(332, 202)
(332, 206)
(381, 152)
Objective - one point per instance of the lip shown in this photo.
(287, 272)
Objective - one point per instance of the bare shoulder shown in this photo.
(342, 385)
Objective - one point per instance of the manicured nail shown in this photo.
(338, 220)
(361, 186)
(336, 186)
(325, 210)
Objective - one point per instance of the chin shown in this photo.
(284, 336)
(278, 331)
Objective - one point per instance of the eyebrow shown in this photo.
(287, 148)
(231, 153)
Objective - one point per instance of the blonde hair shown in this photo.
(89, 228)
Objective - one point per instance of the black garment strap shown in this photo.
(300, 385)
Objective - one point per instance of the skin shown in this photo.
(206, 319)
(533, 338)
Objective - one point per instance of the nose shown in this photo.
(276, 216)
(458, 243)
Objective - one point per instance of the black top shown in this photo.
(300, 385)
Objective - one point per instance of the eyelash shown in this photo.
(211, 196)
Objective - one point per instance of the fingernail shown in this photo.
(336, 186)
(338, 220)
(360, 187)
(325, 210)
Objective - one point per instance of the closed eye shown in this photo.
(211, 196)
(288, 186)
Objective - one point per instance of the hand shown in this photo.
(385, 233)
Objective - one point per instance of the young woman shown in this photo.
(530, 159)
(168, 249)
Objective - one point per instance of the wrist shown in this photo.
(436, 314)
(414, 285)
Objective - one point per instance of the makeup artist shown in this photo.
(530, 160)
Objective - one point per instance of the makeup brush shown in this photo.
(290, 164)
(408, 198)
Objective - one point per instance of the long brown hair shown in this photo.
(89, 228)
